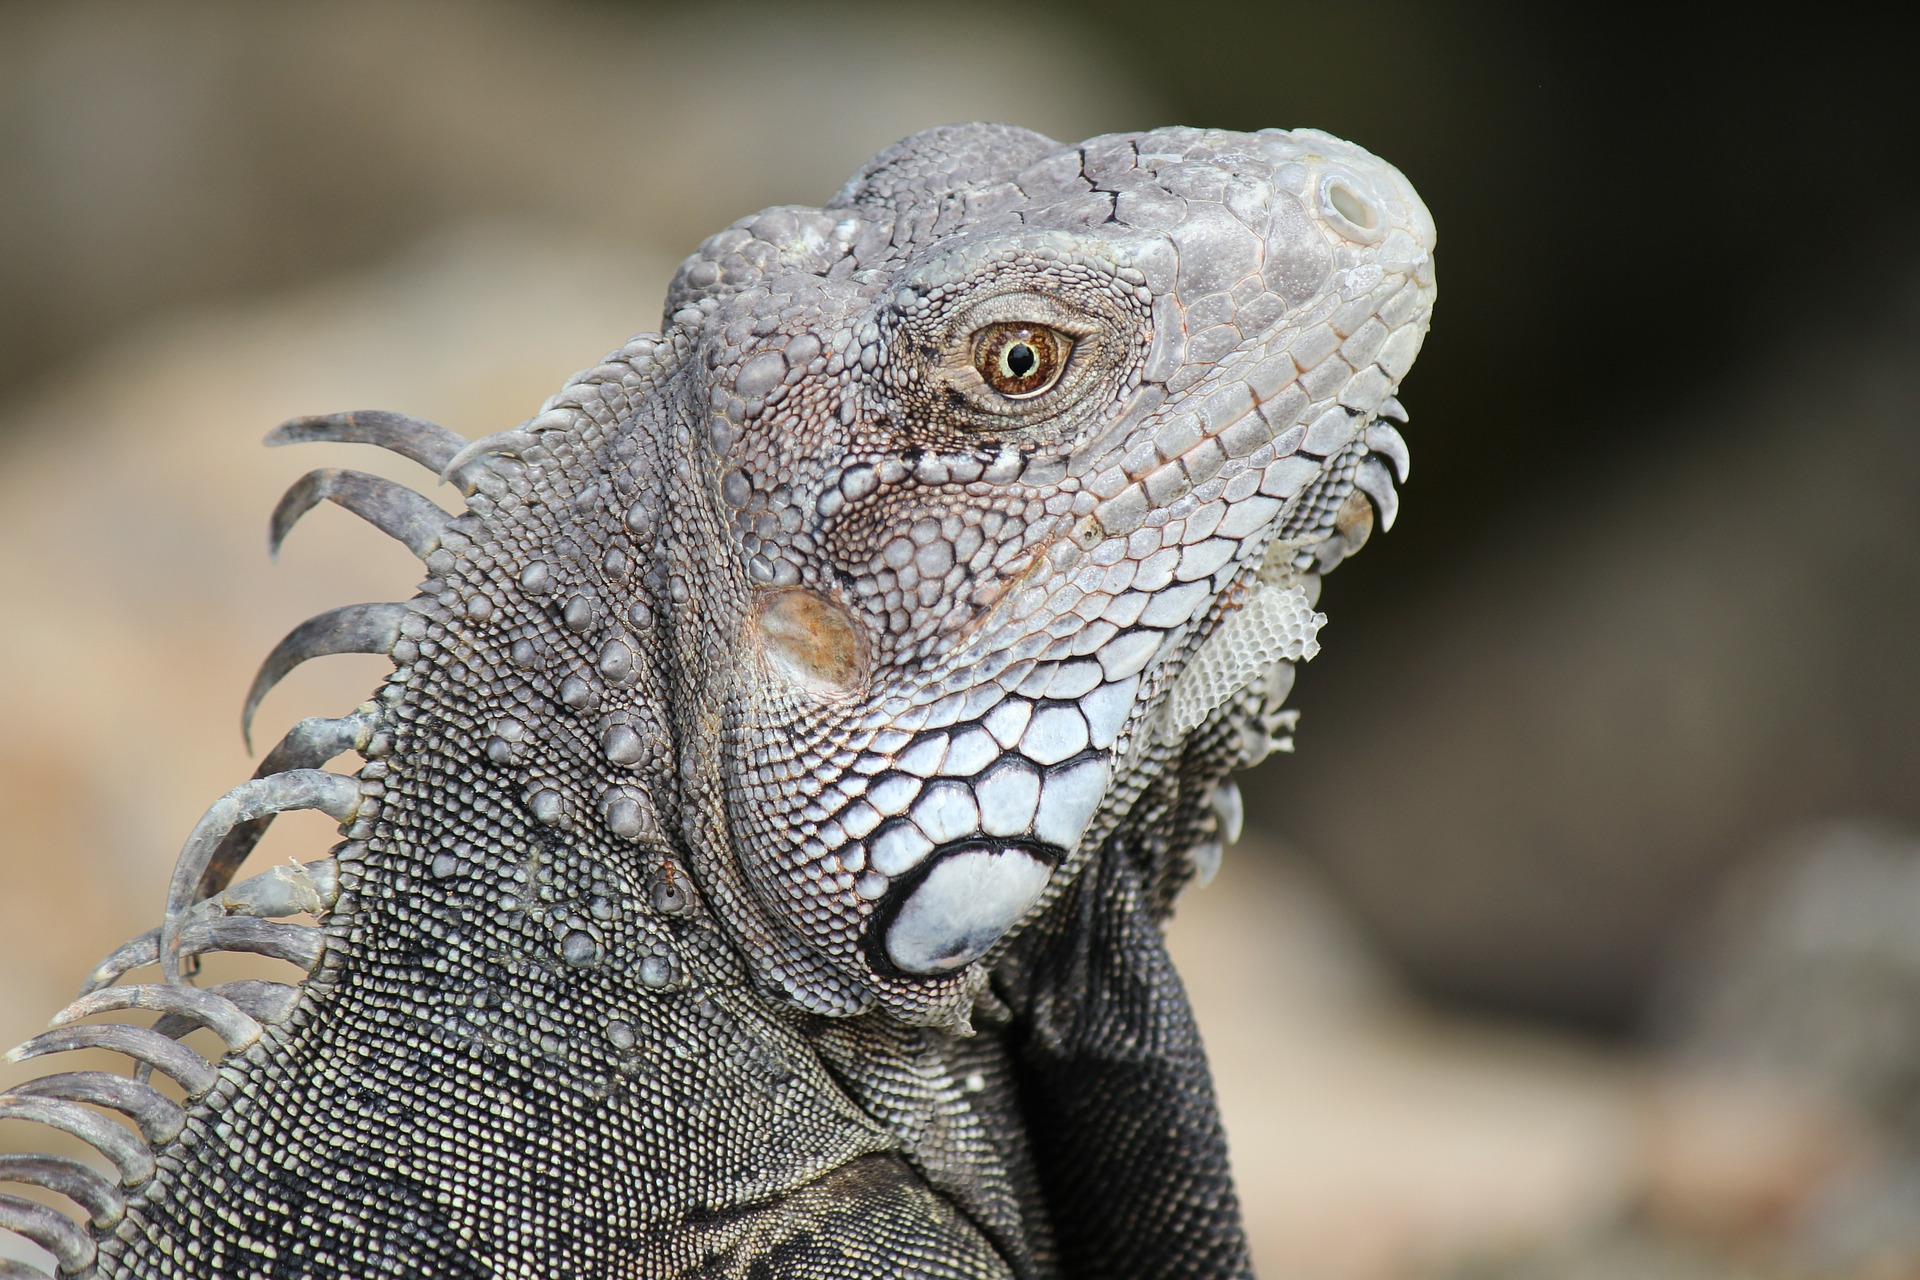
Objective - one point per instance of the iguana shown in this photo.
(759, 856)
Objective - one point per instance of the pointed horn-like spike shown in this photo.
(195, 1074)
(427, 443)
(62, 1175)
(114, 1141)
(301, 945)
(160, 1118)
(394, 509)
(1229, 809)
(291, 890)
(297, 944)
(353, 628)
(267, 1002)
(202, 1008)
(331, 793)
(508, 442)
(308, 745)
(318, 739)
(136, 953)
(1384, 440)
(1373, 479)
(1392, 408)
(53, 1231)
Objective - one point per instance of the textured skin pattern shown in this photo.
(759, 858)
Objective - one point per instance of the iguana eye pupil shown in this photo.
(1020, 360)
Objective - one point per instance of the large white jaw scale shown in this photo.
(959, 904)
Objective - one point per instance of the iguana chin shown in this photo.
(759, 856)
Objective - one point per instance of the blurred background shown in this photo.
(1578, 939)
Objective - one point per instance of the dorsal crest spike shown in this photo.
(337, 796)
(427, 443)
(352, 628)
(395, 510)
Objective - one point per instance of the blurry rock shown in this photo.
(1808, 970)
(1527, 776)
(1806, 978)
(1371, 1139)
(156, 152)
(1743, 1158)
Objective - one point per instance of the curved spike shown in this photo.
(136, 953)
(114, 1141)
(265, 1002)
(1392, 408)
(331, 793)
(160, 1118)
(353, 628)
(308, 745)
(394, 509)
(195, 1074)
(80, 1183)
(1373, 479)
(427, 443)
(203, 1008)
(1384, 439)
(298, 944)
(290, 890)
(502, 442)
(52, 1230)
(1229, 809)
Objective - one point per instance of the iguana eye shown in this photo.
(1021, 360)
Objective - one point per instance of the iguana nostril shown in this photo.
(811, 641)
(1353, 214)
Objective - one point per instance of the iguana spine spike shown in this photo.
(201, 1008)
(308, 745)
(392, 508)
(116, 1142)
(65, 1176)
(352, 628)
(427, 443)
(159, 1117)
(52, 1231)
(297, 944)
(337, 796)
(500, 443)
(194, 1073)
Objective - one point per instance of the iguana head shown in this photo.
(961, 473)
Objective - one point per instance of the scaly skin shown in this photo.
(758, 863)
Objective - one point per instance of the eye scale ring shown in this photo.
(1021, 360)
